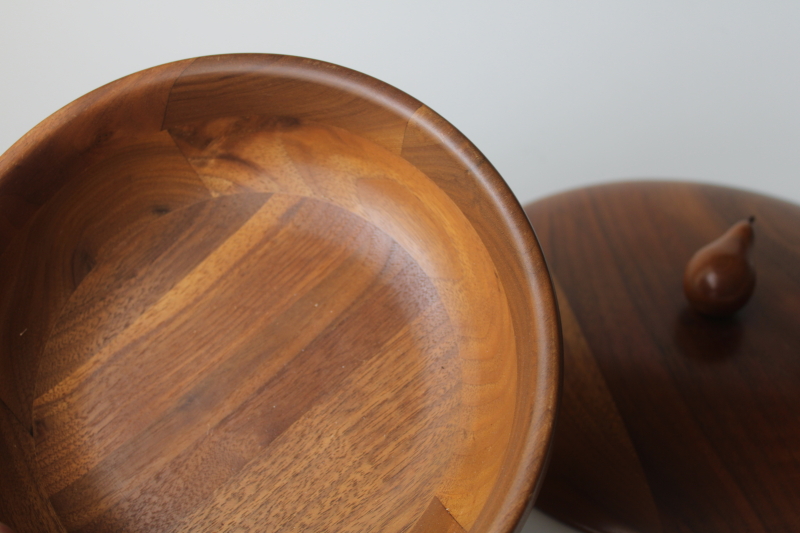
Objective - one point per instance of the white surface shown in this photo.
(556, 94)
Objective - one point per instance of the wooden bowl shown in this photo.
(266, 293)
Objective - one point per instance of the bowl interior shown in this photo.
(230, 299)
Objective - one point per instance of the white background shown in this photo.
(556, 93)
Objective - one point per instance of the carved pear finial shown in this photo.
(719, 278)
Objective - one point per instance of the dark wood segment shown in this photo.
(246, 307)
(710, 406)
(591, 448)
(23, 505)
(113, 292)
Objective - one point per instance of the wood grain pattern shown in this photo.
(44, 264)
(50, 155)
(298, 89)
(23, 505)
(48, 158)
(262, 305)
(592, 447)
(709, 407)
(393, 203)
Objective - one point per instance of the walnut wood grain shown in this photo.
(592, 447)
(23, 504)
(273, 294)
(672, 421)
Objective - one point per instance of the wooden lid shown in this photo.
(268, 293)
(671, 421)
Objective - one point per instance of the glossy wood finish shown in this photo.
(670, 421)
(267, 293)
(719, 278)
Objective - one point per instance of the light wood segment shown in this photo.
(441, 152)
(437, 518)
